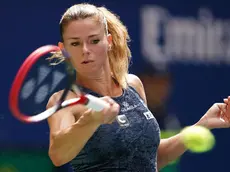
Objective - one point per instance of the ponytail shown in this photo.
(120, 54)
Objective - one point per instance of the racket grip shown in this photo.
(95, 103)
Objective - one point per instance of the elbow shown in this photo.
(54, 153)
(159, 164)
(161, 160)
(60, 152)
(56, 159)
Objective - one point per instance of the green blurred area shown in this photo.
(38, 160)
(25, 161)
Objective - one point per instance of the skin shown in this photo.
(85, 40)
(91, 44)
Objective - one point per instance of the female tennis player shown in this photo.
(97, 43)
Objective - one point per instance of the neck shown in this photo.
(102, 84)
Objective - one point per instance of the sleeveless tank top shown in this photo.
(131, 147)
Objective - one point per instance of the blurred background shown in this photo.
(180, 50)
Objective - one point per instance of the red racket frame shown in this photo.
(88, 100)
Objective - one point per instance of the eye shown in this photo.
(95, 41)
(75, 44)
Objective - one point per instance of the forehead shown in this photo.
(83, 27)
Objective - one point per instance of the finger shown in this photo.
(222, 106)
(108, 100)
(224, 123)
(222, 109)
(111, 113)
(115, 108)
(226, 100)
(85, 117)
(225, 113)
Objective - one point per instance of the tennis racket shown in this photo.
(37, 80)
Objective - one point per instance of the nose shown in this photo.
(85, 49)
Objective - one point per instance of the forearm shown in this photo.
(66, 144)
(169, 150)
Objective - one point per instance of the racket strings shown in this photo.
(41, 82)
(37, 80)
(71, 80)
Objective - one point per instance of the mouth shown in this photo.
(87, 61)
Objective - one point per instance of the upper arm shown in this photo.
(61, 119)
(136, 83)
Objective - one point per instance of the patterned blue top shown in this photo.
(130, 147)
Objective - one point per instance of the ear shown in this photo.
(61, 45)
(110, 39)
(64, 52)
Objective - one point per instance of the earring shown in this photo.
(65, 53)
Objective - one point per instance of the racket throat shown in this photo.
(83, 100)
(80, 100)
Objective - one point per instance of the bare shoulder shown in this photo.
(136, 83)
(56, 96)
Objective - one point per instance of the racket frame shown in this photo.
(88, 100)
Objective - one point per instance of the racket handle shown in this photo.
(95, 103)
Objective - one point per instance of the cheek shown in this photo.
(100, 51)
(75, 54)
(75, 51)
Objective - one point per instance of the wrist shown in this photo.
(204, 123)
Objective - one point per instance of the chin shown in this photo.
(91, 72)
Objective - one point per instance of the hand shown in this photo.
(218, 116)
(106, 116)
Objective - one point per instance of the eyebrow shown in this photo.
(90, 36)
